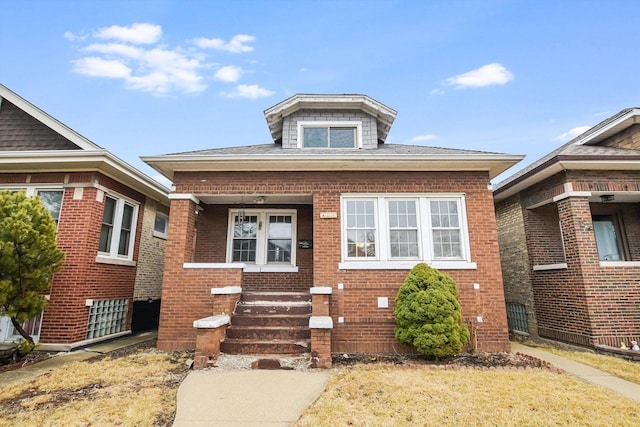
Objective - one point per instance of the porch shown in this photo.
(584, 250)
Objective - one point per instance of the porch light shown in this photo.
(607, 198)
(241, 216)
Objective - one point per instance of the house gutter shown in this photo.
(563, 162)
(495, 164)
(83, 160)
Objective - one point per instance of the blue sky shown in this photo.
(153, 77)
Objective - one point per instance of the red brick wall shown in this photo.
(366, 328)
(585, 303)
(211, 246)
(81, 278)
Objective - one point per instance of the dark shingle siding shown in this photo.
(21, 132)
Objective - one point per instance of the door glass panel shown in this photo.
(279, 239)
(244, 238)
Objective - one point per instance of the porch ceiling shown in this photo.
(255, 200)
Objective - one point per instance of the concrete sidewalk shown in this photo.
(247, 397)
(587, 373)
(37, 369)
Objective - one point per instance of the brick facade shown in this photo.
(81, 277)
(366, 328)
(550, 258)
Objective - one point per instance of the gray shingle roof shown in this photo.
(574, 148)
(382, 150)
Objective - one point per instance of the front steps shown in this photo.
(270, 323)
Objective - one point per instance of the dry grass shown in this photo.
(386, 396)
(625, 369)
(138, 389)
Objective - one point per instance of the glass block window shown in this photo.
(517, 317)
(107, 317)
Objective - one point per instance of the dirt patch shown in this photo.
(29, 359)
(40, 399)
(477, 360)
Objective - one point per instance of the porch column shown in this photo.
(175, 315)
(572, 305)
(580, 247)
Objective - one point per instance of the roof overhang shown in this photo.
(494, 164)
(561, 163)
(383, 114)
(617, 125)
(46, 119)
(83, 161)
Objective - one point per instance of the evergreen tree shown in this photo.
(428, 314)
(28, 257)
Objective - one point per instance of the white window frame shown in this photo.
(112, 256)
(32, 190)
(328, 124)
(383, 259)
(261, 264)
(165, 233)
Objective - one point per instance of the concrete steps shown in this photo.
(270, 323)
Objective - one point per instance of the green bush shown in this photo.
(428, 314)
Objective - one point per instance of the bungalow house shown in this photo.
(112, 222)
(330, 218)
(569, 233)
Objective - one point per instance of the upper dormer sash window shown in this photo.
(313, 134)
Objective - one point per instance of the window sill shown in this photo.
(406, 265)
(100, 259)
(159, 235)
(545, 267)
(212, 265)
(619, 264)
(252, 268)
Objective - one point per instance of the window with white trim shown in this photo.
(262, 237)
(329, 134)
(161, 225)
(384, 230)
(50, 196)
(117, 233)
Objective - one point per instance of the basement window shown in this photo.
(107, 317)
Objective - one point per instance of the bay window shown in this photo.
(117, 233)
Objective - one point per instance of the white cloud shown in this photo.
(571, 133)
(487, 75)
(228, 74)
(98, 67)
(420, 138)
(303, 70)
(139, 33)
(235, 45)
(249, 91)
(74, 37)
(134, 55)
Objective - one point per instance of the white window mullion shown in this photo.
(117, 226)
(382, 230)
(426, 235)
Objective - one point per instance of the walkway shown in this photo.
(247, 397)
(587, 373)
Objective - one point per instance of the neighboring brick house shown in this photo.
(569, 233)
(329, 210)
(112, 222)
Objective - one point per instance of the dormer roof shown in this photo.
(384, 115)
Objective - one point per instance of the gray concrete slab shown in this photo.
(247, 397)
(587, 373)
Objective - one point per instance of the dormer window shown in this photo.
(329, 134)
